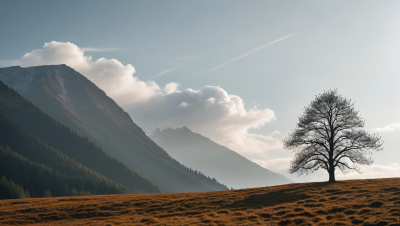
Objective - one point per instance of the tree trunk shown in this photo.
(332, 174)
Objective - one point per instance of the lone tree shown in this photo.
(329, 135)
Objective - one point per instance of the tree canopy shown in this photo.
(330, 135)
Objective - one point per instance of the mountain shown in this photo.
(73, 100)
(10, 190)
(62, 150)
(36, 123)
(38, 167)
(201, 153)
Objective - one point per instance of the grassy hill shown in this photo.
(352, 202)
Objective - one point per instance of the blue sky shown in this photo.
(353, 46)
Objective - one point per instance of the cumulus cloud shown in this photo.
(112, 76)
(184, 104)
(211, 111)
(389, 128)
(278, 164)
(171, 87)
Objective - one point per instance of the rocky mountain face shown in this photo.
(201, 153)
(76, 102)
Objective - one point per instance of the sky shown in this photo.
(238, 72)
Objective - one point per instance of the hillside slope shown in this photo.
(73, 100)
(38, 178)
(227, 166)
(23, 148)
(78, 148)
(353, 202)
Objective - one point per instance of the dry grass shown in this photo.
(356, 202)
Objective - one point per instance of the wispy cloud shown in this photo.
(89, 49)
(239, 57)
(165, 72)
(176, 64)
(389, 128)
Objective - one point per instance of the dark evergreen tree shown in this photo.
(10, 190)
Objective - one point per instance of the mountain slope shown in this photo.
(38, 178)
(73, 100)
(200, 153)
(29, 156)
(63, 139)
(10, 190)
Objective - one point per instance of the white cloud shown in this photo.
(275, 134)
(184, 104)
(211, 111)
(389, 128)
(171, 87)
(112, 76)
(279, 164)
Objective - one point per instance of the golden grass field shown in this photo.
(353, 202)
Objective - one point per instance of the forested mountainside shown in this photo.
(201, 153)
(37, 167)
(11, 190)
(70, 98)
(68, 144)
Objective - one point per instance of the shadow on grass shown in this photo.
(274, 198)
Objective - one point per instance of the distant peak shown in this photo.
(59, 65)
(156, 131)
(167, 129)
(185, 129)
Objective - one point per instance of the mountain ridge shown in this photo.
(73, 100)
(201, 153)
(31, 119)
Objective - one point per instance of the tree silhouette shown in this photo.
(329, 135)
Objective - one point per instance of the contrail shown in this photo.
(239, 57)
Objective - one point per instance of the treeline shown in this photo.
(200, 176)
(11, 190)
(37, 167)
(38, 178)
(60, 147)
